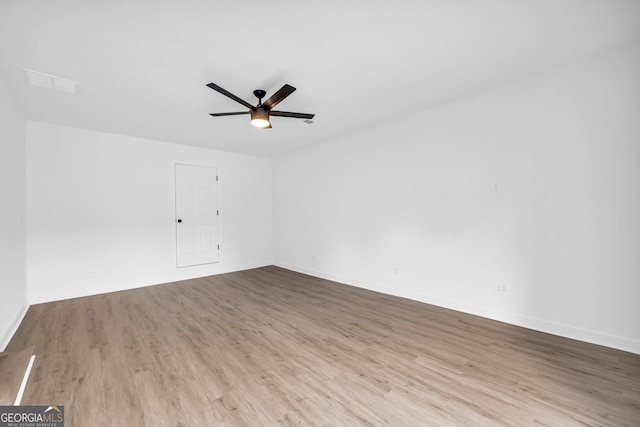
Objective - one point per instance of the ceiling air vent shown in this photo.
(47, 81)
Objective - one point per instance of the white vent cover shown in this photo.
(47, 81)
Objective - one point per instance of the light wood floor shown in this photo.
(273, 347)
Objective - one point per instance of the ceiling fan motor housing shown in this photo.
(260, 117)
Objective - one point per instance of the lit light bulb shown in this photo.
(260, 123)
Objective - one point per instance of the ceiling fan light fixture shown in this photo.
(260, 118)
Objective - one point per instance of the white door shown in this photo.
(196, 215)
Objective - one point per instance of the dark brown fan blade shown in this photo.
(229, 94)
(294, 115)
(277, 97)
(228, 114)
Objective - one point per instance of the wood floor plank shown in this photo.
(13, 365)
(268, 347)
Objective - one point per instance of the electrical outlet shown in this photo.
(95, 271)
(395, 271)
(501, 289)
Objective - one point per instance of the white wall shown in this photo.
(107, 201)
(13, 283)
(534, 185)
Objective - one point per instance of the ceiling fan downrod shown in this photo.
(259, 93)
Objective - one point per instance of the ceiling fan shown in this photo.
(261, 112)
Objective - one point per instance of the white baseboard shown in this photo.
(541, 325)
(59, 292)
(7, 334)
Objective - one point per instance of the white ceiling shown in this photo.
(143, 65)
